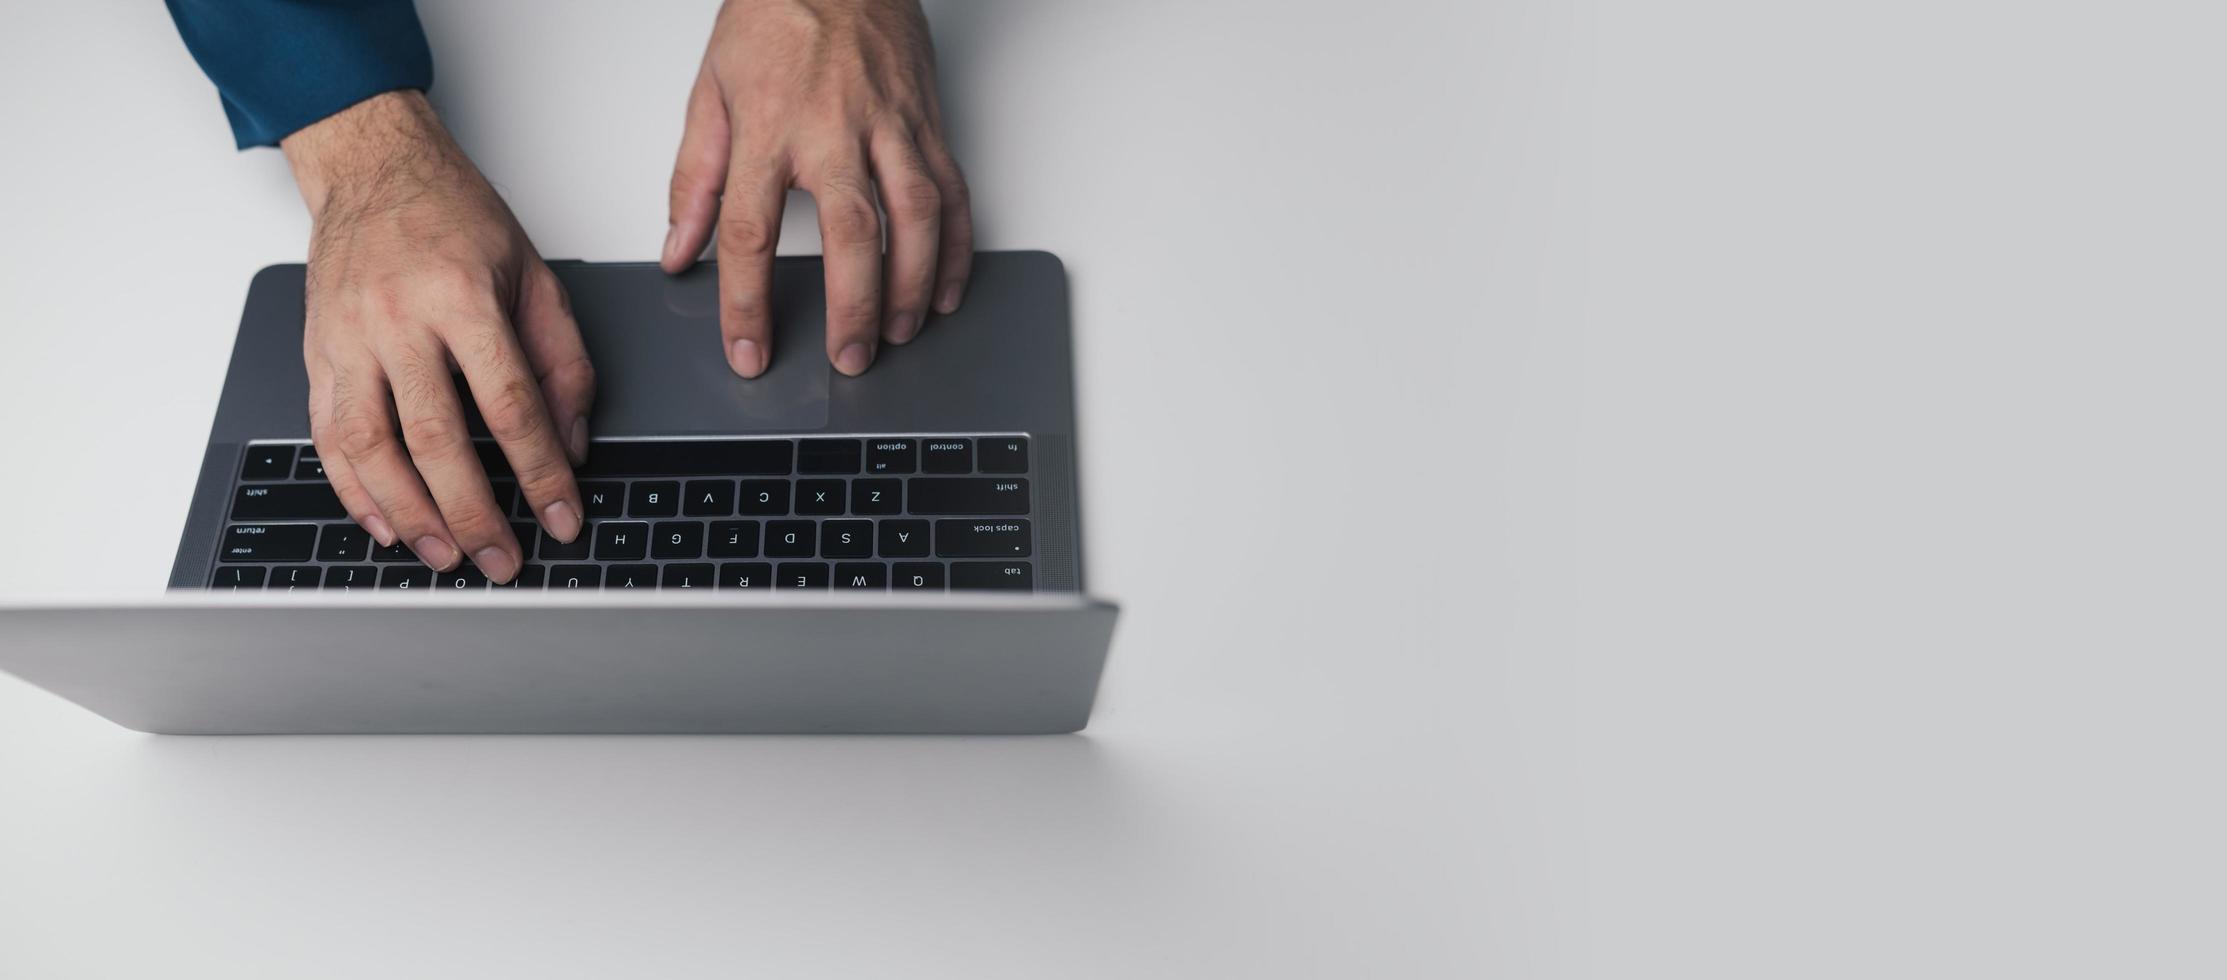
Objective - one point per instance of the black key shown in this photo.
(630, 577)
(801, 575)
(505, 492)
(746, 575)
(576, 577)
(552, 549)
(268, 463)
(621, 541)
(946, 456)
(653, 498)
(892, 456)
(993, 576)
(862, 575)
(734, 539)
(235, 578)
(847, 539)
(819, 496)
(690, 457)
(982, 539)
(790, 539)
(828, 456)
(406, 577)
(491, 459)
(310, 468)
(528, 577)
(343, 542)
(268, 542)
(923, 576)
(677, 539)
(765, 498)
(307, 452)
(877, 496)
(348, 578)
(687, 575)
(392, 552)
(286, 502)
(1002, 454)
(293, 577)
(709, 498)
(964, 496)
(465, 578)
(603, 499)
(523, 508)
(904, 539)
(525, 533)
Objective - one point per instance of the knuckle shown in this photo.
(849, 219)
(360, 434)
(743, 233)
(433, 438)
(574, 377)
(748, 307)
(853, 310)
(512, 410)
(915, 199)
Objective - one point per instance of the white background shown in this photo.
(1599, 489)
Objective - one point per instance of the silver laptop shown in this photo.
(802, 552)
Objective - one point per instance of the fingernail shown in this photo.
(379, 530)
(561, 523)
(578, 442)
(949, 301)
(745, 358)
(495, 562)
(854, 358)
(672, 241)
(435, 552)
(902, 326)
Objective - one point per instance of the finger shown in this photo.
(851, 241)
(551, 338)
(510, 402)
(338, 474)
(749, 228)
(915, 208)
(698, 173)
(364, 433)
(955, 254)
(441, 447)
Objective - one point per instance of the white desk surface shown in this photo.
(1615, 489)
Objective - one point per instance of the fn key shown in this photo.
(993, 576)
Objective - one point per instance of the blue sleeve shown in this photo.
(283, 64)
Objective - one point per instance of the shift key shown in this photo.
(286, 502)
(967, 495)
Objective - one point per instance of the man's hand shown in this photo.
(418, 270)
(837, 97)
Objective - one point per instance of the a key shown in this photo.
(734, 539)
(575, 577)
(708, 498)
(505, 492)
(309, 468)
(267, 463)
(965, 496)
(946, 456)
(1001, 454)
(406, 577)
(630, 577)
(552, 549)
(877, 496)
(765, 498)
(348, 578)
(746, 575)
(917, 576)
(801, 575)
(847, 539)
(690, 457)
(653, 498)
(465, 578)
(343, 542)
(828, 456)
(286, 502)
(492, 460)
(525, 533)
(677, 539)
(236, 578)
(687, 575)
(268, 542)
(603, 499)
(892, 457)
(621, 540)
(861, 575)
(904, 539)
(819, 497)
(790, 539)
(293, 577)
(993, 576)
(392, 552)
(528, 577)
(982, 539)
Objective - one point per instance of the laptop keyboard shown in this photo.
(867, 513)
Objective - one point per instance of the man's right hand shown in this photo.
(417, 271)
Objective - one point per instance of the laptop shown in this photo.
(801, 552)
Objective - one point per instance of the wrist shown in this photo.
(360, 146)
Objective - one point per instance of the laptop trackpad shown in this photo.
(660, 368)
